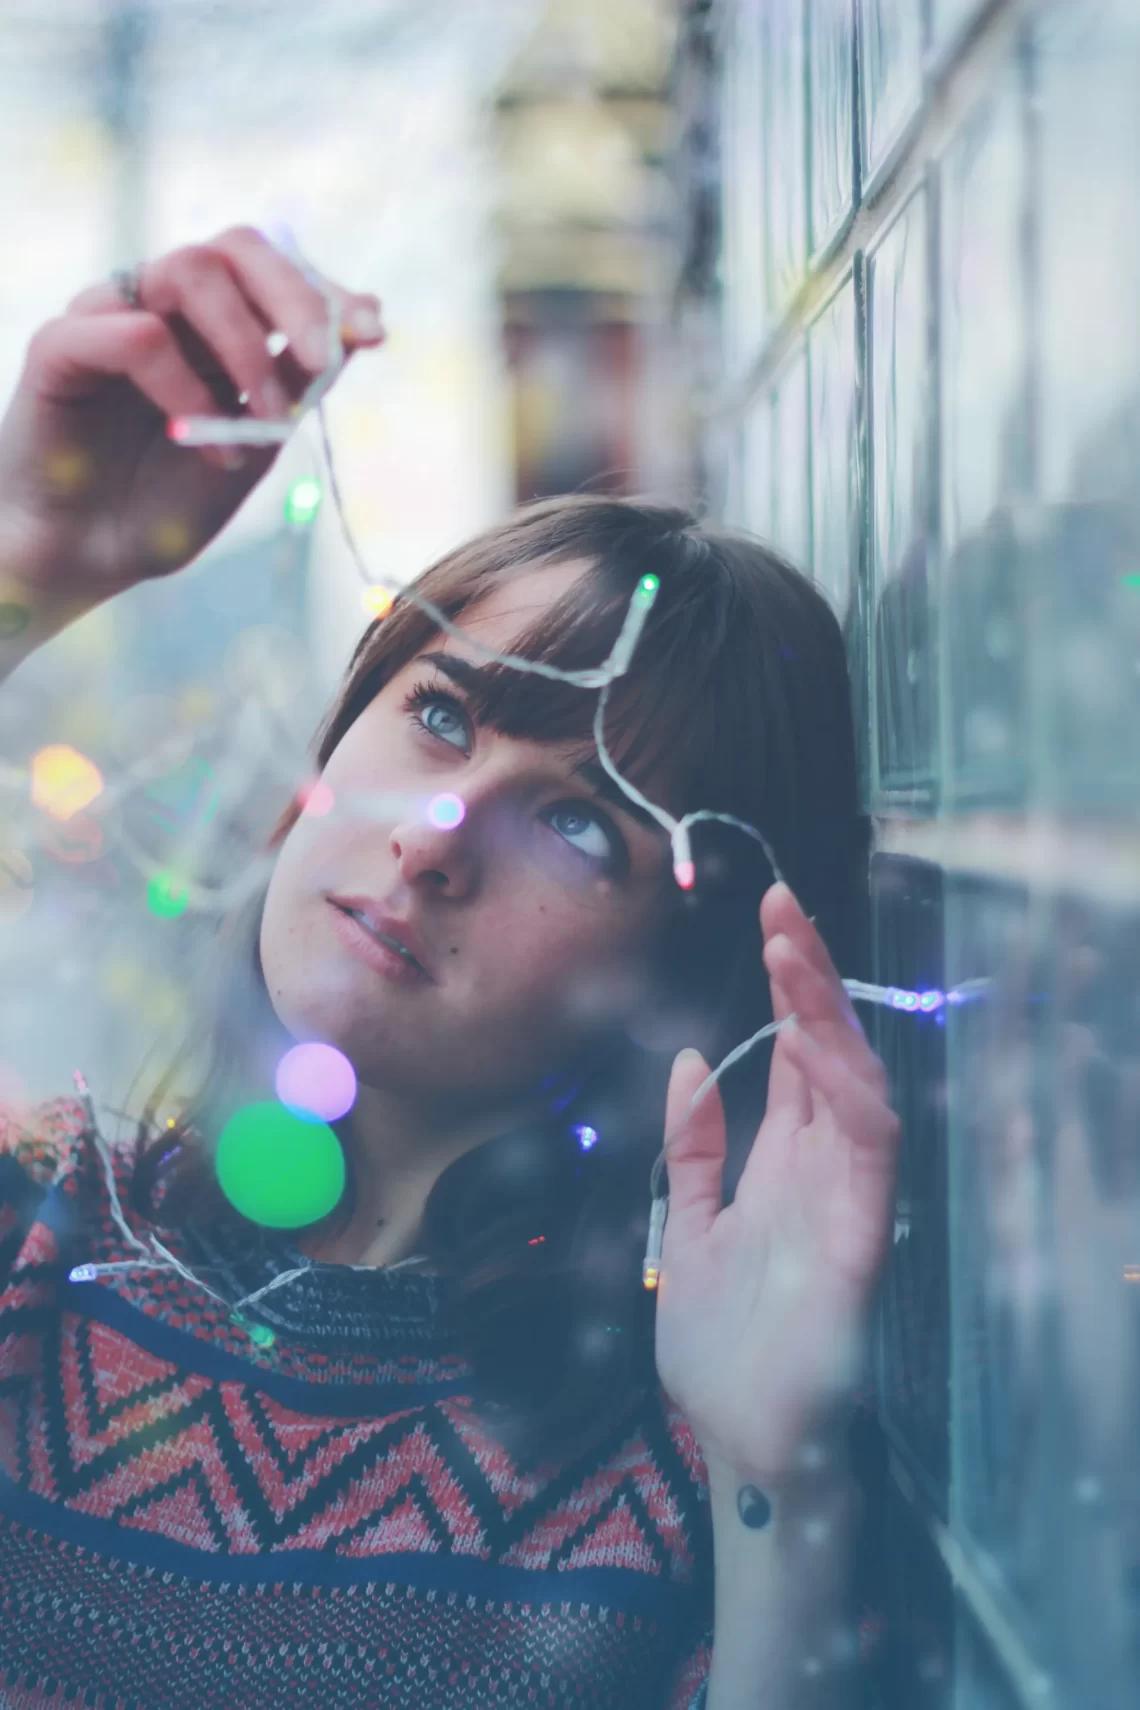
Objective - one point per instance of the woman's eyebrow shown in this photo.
(462, 672)
(469, 677)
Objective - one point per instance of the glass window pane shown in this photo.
(949, 18)
(1088, 710)
(984, 316)
(742, 145)
(1091, 1086)
(903, 655)
(985, 453)
(998, 1042)
(890, 46)
(831, 64)
(787, 188)
(915, 1314)
(836, 508)
(756, 463)
(791, 511)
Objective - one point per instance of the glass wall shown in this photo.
(935, 404)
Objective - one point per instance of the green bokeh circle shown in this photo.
(278, 1169)
(166, 896)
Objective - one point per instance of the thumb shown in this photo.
(696, 1147)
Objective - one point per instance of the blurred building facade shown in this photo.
(582, 136)
(919, 258)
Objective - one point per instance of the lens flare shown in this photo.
(316, 1081)
(446, 811)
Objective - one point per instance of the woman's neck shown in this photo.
(399, 1150)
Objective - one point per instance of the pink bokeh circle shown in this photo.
(316, 1080)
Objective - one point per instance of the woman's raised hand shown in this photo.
(94, 496)
(762, 1303)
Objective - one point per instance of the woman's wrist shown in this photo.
(819, 1460)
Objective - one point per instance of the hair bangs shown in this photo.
(659, 715)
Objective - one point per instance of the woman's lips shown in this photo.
(370, 949)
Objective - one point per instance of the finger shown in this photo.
(814, 998)
(71, 357)
(789, 1095)
(868, 1130)
(276, 290)
(295, 304)
(197, 286)
(780, 912)
(695, 1149)
(859, 1111)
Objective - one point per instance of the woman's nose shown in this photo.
(434, 849)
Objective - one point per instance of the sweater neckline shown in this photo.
(334, 1307)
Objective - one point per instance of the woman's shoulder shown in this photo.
(45, 1141)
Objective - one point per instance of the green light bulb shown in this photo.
(278, 1169)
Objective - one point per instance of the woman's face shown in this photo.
(529, 921)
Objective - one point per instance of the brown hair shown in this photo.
(738, 698)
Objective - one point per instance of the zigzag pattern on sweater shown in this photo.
(192, 1521)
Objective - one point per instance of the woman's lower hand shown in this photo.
(762, 1303)
(94, 496)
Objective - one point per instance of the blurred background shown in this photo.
(859, 276)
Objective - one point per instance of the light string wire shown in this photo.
(210, 430)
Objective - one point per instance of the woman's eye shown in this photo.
(583, 831)
(442, 718)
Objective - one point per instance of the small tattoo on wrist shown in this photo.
(753, 1507)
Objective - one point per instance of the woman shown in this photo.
(434, 1463)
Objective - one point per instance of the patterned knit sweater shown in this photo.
(197, 1520)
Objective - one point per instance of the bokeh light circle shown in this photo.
(446, 811)
(377, 602)
(167, 896)
(303, 501)
(316, 798)
(279, 1169)
(63, 780)
(316, 1081)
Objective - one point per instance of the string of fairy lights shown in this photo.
(315, 1083)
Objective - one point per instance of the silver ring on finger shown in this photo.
(127, 284)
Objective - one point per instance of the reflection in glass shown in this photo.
(948, 19)
(999, 1045)
(1089, 421)
(1045, 1190)
(986, 582)
(786, 172)
(742, 149)
(984, 317)
(904, 661)
(756, 464)
(891, 70)
(791, 510)
(835, 449)
(915, 1317)
(831, 67)
(918, 1643)
(1092, 1079)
